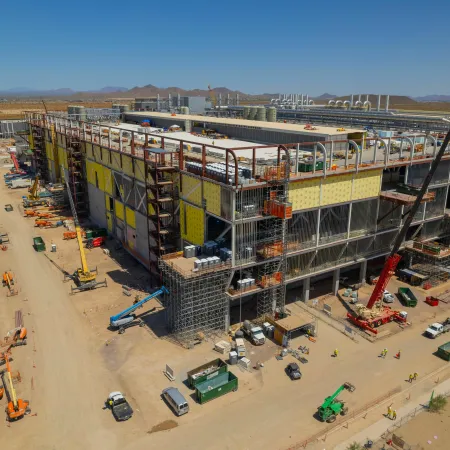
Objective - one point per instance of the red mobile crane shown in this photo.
(366, 317)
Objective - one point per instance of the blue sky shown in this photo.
(397, 47)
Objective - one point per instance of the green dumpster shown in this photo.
(221, 384)
(206, 372)
(444, 351)
(98, 232)
(39, 244)
(407, 297)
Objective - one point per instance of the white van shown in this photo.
(176, 401)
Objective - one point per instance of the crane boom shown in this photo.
(12, 391)
(84, 266)
(394, 258)
(329, 400)
(137, 305)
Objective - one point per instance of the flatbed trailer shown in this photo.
(387, 315)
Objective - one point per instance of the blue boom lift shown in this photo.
(126, 318)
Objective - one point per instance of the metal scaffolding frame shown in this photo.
(197, 306)
(40, 154)
(77, 174)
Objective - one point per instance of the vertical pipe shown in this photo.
(307, 99)
(226, 169)
(387, 103)
(314, 159)
(297, 150)
(367, 97)
(302, 101)
(379, 102)
(237, 99)
(253, 162)
(181, 156)
(158, 105)
(359, 97)
(351, 101)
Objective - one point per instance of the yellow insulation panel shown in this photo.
(31, 141)
(109, 182)
(95, 174)
(150, 209)
(127, 165)
(336, 189)
(191, 189)
(304, 194)
(366, 184)
(211, 193)
(97, 153)
(89, 152)
(193, 224)
(131, 217)
(139, 170)
(120, 211)
(115, 161)
(109, 221)
(105, 157)
(108, 203)
(49, 150)
(62, 157)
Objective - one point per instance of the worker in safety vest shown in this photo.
(415, 375)
(394, 414)
(335, 353)
(389, 412)
(398, 355)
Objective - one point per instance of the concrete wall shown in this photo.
(97, 208)
(142, 236)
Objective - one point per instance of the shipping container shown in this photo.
(220, 385)
(205, 372)
(444, 351)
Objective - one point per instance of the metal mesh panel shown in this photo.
(363, 218)
(333, 223)
(302, 230)
(437, 206)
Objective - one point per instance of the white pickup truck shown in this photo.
(255, 334)
(436, 329)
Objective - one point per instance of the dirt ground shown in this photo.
(14, 110)
(428, 430)
(73, 360)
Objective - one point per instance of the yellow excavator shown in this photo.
(33, 198)
(83, 277)
(16, 408)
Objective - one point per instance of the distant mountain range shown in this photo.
(29, 92)
(150, 90)
(433, 98)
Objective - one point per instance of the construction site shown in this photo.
(159, 241)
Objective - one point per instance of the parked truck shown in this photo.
(254, 333)
(407, 297)
(20, 183)
(436, 329)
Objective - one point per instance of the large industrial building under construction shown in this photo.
(221, 221)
